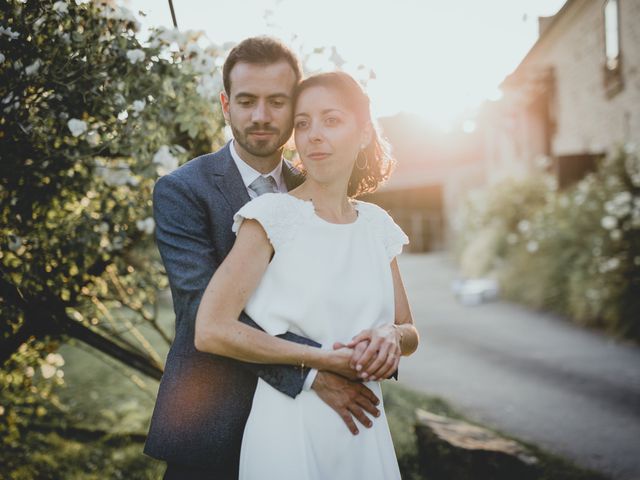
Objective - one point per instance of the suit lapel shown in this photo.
(292, 177)
(229, 181)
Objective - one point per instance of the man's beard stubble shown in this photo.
(261, 148)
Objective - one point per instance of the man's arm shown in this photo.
(190, 260)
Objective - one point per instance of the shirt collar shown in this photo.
(249, 174)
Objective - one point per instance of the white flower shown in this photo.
(524, 226)
(2, 57)
(209, 86)
(116, 174)
(15, 243)
(39, 22)
(60, 7)
(77, 127)
(532, 246)
(29, 372)
(147, 225)
(121, 13)
(55, 359)
(123, 115)
(135, 55)
(139, 105)
(167, 162)
(48, 371)
(616, 234)
(33, 68)
(608, 222)
(9, 33)
(93, 138)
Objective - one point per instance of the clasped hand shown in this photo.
(371, 355)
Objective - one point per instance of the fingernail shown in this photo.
(369, 425)
(358, 367)
(363, 374)
(356, 432)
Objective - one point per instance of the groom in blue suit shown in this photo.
(204, 400)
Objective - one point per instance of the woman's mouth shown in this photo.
(318, 155)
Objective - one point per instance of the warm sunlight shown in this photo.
(437, 59)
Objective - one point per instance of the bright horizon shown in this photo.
(438, 60)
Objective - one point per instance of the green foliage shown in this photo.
(89, 118)
(576, 252)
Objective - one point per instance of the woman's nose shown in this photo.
(315, 133)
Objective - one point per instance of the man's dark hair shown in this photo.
(259, 51)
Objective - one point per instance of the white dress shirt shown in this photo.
(249, 175)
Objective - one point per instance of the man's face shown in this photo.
(259, 106)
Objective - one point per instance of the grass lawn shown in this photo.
(109, 407)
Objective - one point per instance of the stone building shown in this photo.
(574, 96)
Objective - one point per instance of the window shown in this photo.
(613, 56)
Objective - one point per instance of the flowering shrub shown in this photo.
(576, 251)
(89, 118)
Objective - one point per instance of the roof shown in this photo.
(552, 25)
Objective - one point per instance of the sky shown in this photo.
(437, 59)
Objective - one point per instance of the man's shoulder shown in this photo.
(200, 164)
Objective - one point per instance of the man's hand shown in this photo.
(349, 399)
(376, 352)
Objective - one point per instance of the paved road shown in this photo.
(571, 391)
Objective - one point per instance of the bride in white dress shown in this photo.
(317, 263)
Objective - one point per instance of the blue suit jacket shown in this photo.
(204, 400)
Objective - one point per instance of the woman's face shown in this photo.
(327, 135)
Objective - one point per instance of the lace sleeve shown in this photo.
(275, 215)
(390, 234)
(394, 238)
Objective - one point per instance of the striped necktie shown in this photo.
(264, 185)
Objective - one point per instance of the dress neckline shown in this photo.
(311, 206)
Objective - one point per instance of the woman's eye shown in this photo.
(301, 124)
(332, 121)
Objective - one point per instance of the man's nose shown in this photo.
(261, 113)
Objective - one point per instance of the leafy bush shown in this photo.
(89, 118)
(576, 251)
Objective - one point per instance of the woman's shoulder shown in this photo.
(372, 211)
(278, 213)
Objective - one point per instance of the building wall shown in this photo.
(586, 120)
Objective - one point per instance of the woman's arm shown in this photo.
(217, 327)
(386, 344)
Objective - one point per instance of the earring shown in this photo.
(366, 160)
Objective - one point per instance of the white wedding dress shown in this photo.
(326, 282)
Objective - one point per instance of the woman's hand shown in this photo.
(376, 352)
(339, 361)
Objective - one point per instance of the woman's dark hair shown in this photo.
(259, 51)
(375, 156)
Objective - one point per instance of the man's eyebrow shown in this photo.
(251, 95)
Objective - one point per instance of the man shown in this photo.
(204, 400)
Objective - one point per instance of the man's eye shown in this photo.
(245, 103)
(277, 103)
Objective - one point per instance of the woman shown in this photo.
(317, 263)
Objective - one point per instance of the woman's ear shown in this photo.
(367, 134)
